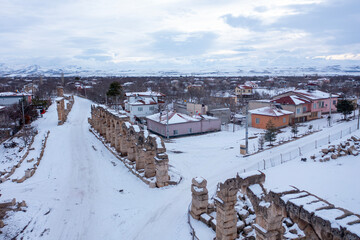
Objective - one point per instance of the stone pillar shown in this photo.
(60, 91)
(131, 144)
(108, 129)
(139, 151)
(162, 170)
(123, 139)
(200, 197)
(226, 217)
(150, 146)
(268, 222)
(117, 136)
(60, 107)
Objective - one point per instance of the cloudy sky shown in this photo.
(174, 34)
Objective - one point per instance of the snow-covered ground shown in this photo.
(81, 191)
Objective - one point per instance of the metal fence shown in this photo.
(301, 150)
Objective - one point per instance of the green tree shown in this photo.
(115, 92)
(294, 129)
(345, 107)
(270, 133)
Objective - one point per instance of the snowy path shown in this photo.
(77, 192)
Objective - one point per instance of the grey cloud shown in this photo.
(194, 44)
(242, 22)
(100, 58)
(339, 21)
(82, 42)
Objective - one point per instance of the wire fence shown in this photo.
(300, 151)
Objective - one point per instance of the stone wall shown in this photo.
(146, 152)
(62, 109)
(280, 214)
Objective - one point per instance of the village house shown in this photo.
(138, 105)
(299, 106)
(224, 97)
(10, 98)
(321, 102)
(244, 91)
(261, 116)
(175, 124)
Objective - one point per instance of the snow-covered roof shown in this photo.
(270, 111)
(206, 117)
(224, 95)
(2, 107)
(173, 118)
(144, 94)
(244, 87)
(293, 100)
(13, 94)
(145, 101)
(315, 94)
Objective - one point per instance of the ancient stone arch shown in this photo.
(316, 218)
(146, 152)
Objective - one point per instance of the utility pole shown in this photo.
(23, 113)
(358, 116)
(247, 130)
(167, 121)
(330, 112)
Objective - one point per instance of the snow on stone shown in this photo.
(128, 124)
(198, 189)
(270, 111)
(287, 197)
(330, 215)
(257, 190)
(344, 222)
(312, 207)
(205, 216)
(249, 174)
(355, 228)
(136, 128)
(199, 180)
(264, 204)
(303, 200)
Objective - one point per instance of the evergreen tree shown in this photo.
(115, 92)
(345, 107)
(270, 133)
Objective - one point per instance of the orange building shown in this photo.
(261, 116)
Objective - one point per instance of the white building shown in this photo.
(142, 104)
(10, 98)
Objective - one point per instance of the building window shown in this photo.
(298, 110)
(304, 109)
(257, 120)
(284, 120)
(334, 102)
(151, 108)
(314, 105)
(140, 109)
(176, 132)
(190, 130)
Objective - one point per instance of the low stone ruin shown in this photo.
(144, 153)
(7, 206)
(244, 209)
(63, 109)
(349, 147)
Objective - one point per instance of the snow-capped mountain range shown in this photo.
(73, 70)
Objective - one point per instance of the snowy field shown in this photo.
(81, 191)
